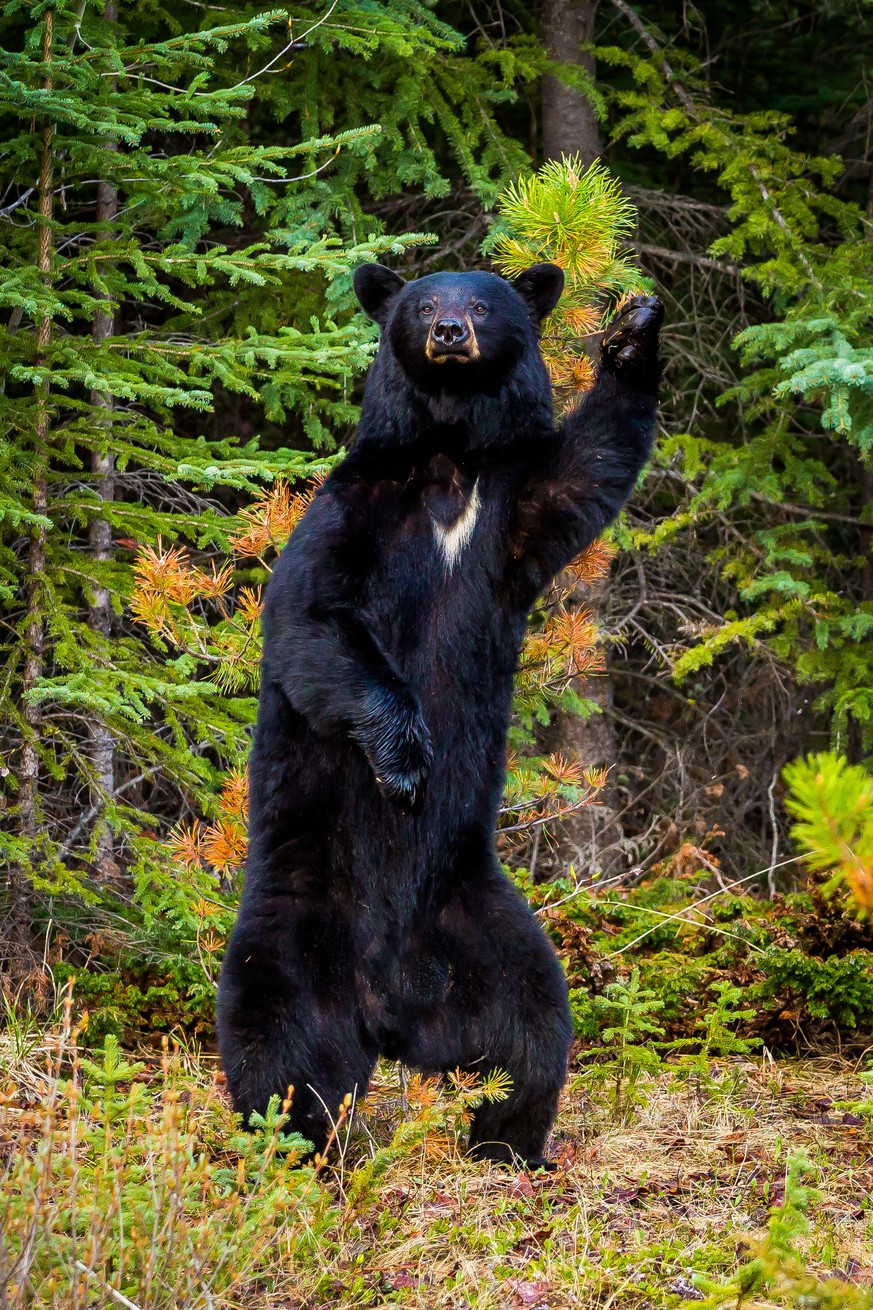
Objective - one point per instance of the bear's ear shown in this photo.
(541, 287)
(376, 286)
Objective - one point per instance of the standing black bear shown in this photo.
(375, 918)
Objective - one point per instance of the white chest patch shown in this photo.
(453, 540)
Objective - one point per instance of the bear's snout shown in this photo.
(450, 332)
(452, 337)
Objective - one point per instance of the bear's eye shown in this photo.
(427, 310)
(480, 308)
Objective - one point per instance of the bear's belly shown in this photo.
(400, 991)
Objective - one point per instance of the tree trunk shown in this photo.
(855, 735)
(590, 839)
(569, 125)
(19, 922)
(101, 743)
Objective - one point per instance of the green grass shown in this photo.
(126, 1181)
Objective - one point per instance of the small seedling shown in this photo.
(631, 1054)
(718, 1039)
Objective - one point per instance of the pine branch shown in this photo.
(34, 632)
(693, 113)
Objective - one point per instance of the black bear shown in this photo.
(375, 918)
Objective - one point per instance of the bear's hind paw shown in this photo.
(500, 1153)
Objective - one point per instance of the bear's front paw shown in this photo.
(396, 742)
(630, 343)
(406, 788)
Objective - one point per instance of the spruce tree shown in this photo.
(786, 477)
(125, 182)
(177, 331)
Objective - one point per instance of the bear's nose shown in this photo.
(450, 332)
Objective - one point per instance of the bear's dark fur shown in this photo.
(375, 918)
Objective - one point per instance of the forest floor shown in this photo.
(131, 1185)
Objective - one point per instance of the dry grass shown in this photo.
(635, 1208)
(400, 1217)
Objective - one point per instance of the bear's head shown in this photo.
(459, 333)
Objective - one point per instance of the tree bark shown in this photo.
(569, 124)
(101, 741)
(589, 839)
(855, 734)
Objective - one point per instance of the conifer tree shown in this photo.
(792, 475)
(124, 183)
(579, 219)
(176, 331)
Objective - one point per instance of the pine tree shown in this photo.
(793, 473)
(579, 219)
(125, 182)
(177, 331)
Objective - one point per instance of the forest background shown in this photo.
(186, 193)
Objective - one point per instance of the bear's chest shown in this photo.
(452, 501)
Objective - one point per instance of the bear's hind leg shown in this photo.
(529, 1039)
(505, 1008)
(287, 1016)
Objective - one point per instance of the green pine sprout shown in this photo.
(832, 802)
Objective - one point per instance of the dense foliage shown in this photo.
(185, 195)
(185, 191)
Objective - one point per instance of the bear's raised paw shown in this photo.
(630, 342)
